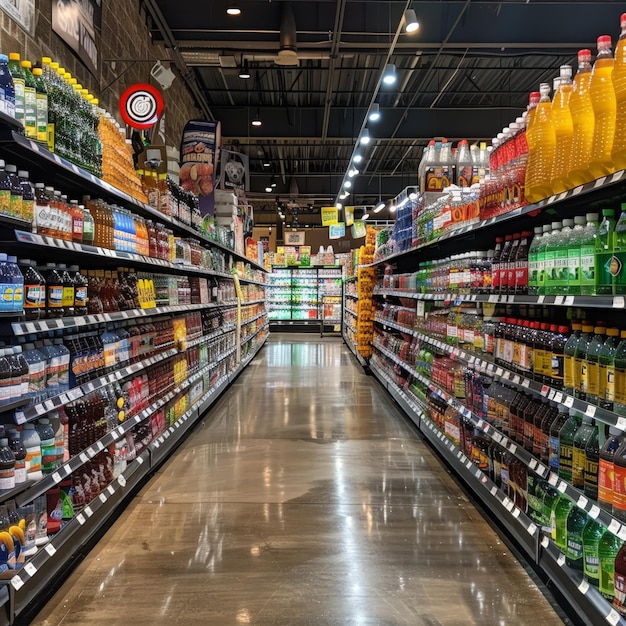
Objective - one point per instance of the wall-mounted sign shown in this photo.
(141, 106)
(294, 238)
(337, 231)
(330, 215)
(76, 21)
(21, 12)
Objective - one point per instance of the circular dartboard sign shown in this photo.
(141, 106)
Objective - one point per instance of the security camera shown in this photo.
(163, 75)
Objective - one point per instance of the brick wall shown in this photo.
(124, 35)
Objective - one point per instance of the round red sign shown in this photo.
(141, 106)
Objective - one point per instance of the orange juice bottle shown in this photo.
(582, 121)
(533, 101)
(544, 148)
(604, 109)
(563, 129)
(618, 155)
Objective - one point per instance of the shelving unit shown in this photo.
(399, 377)
(228, 341)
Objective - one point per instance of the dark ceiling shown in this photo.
(466, 73)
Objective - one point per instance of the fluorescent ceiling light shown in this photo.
(267, 164)
(389, 75)
(374, 115)
(379, 207)
(357, 158)
(365, 137)
(273, 185)
(410, 21)
(365, 216)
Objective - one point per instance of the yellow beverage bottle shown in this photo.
(618, 154)
(604, 108)
(563, 129)
(544, 148)
(533, 101)
(582, 122)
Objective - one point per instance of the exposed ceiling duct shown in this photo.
(288, 53)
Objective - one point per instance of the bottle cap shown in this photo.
(14, 56)
(546, 228)
(592, 217)
(587, 327)
(580, 219)
(37, 71)
(538, 230)
(534, 97)
(604, 42)
(22, 173)
(599, 330)
(565, 72)
(26, 64)
(573, 412)
(584, 56)
(12, 259)
(564, 329)
(557, 225)
(568, 223)
(11, 168)
(608, 212)
(46, 60)
(612, 332)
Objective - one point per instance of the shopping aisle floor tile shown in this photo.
(303, 498)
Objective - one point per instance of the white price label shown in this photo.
(541, 469)
(494, 490)
(56, 477)
(30, 569)
(121, 480)
(558, 300)
(583, 587)
(562, 487)
(516, 380)
(594, 511)
(545, 542)
(558, 397)
(17, 583)
(140, 460)
(532, 529)
(99, 446)
(541, 299)
(591, 411)
(111, 490)
(569, 301)
(569, 402)
(553, 479)
(552, 394)
(420, 308)
(83, 457)
(582, 502)
(103, 498)
(526, 383)
(50, 549)
(80, 518)
(621, 423)
(516, 513)
(469, 465)
(561, 560)
(512, 448)
(499, 371)
(613, 617)
(532, 464)
(493, 299)
(88, 511)
(614, 527)
(622, 533)
(509, 505)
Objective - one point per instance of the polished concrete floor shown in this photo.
(303, 498)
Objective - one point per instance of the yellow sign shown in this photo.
(349, 210)
(330, 215)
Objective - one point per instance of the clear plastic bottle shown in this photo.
(608, 549)
(531, 140)
(607, 369)
(587, 242)
(18, 82)
(552, 270)
(7, 101)
(533, 261)
(618, 154)
(30, 101)
(604, 109)
(583, 123)
(28, 196)
(541, 259)
(604, 253)
(42, 105)
(563, 129)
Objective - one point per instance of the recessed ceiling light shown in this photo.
(389, 75)
(374, 115)
(347, 184)
(357, 158)
(233, 9)
(267, 164)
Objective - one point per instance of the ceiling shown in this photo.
(465, 73)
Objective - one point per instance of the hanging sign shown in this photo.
(358, 230)
(141, 106)
(234, 170)
(337, 231)
(349, 215)
(330, 215)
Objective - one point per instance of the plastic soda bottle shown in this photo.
(582, 122)
(608, 549)
(541, 174)
(563, 129)
(592, 534)
(558, 521)
(30, 101)
(42, 105)
(566, 445)
(587, 242)
(593, 364)
(616, 268)
(604, 267)
(531, 140)
(606, 392)
(579, 456)
(576, 522)
(604, 109)
(618, 154)
(572, 283)
(18, 82)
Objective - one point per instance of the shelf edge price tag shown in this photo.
(516, 513)
(613, 617)
(88, 511)
(80, 518)
(103, 498)
(121, 480)
(30, 569)
(569, 301)
(545, 542)
(569, 402)
(591, 411)
(50, 549)
(561, 560)
(594, 511)
(614, 527)
(562, 486)
(583, 587)
(582, 502)
(532, 529)
(17, 583)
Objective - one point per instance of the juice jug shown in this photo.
(582, 122)
(608, 549)
(604, 109)
(563, 129)
(618, 154)
(541, 174)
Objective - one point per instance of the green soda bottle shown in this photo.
(580, 361)
(550, 498)
(42, 105)
(576, 522)
(592, 534)
(604, 253)
(608, 548)
(592, 461)
(558, 521)
(618, 271)
(561, 257)
(587, 255)
(541, 259)
(573, 270)
(552, 271)
(566, 445)
(30, 101)
(606, 392)
(533, 262)
(18, 81)
(579, 456)
(593, 364)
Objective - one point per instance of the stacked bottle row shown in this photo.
(168, 197)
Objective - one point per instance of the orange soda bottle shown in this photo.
(604, 108)
(618, 155)
(544, 148)
(563, 129)
(582, 121)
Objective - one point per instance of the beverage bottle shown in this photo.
(78, 224)
(587, 243)
(592, 534)
(5, 190)
(558, 521)
(503, 265)
(41, 211)
(32, 445)
(88, 227)
(618, 153)
(561, 258)
(533, 261)
(19, 452)
(64, 365)
(6, 285)
(579, 458)
(616, 268)
(540, 352)
(54, 291)
(30, 101)
(522, 264)
(566, 445)
(541, 259)
(592, 459)
(573, 271)
(540, 186)
(36, 373)
(80, 291)
(7, 465)
(546, 428)
(583, 122)
(557, 360)
(551, 272)
(563, 129)
(7, 88)
(21, 368)
(17, 282)
(509, 281)
(495, 265)
(604, 108)
(619, 404)
(48, 445)
(608, 550)
(34, 291)
(445, 164)
(531, 140)
(463, 165)
(550, 499)
(580, 361)
(606, 393)
(421, 170)
(593, 364)
(619, 582)
(619, 483)
(605, 243)
(575, 524)
(15, 208)
(28, 196)
(41, 105)
(569, 355)
(606, 469)
(18, 83)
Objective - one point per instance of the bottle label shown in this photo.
(33, 460)
(591, 476)
(593, 378)
(19, 85)
(5, 202)
(580, 374)
(67, 299)
(28, 209)
(619, 488)
(30, 112)
(606, 476)
(620, 385)
(48, 454)
(592, 561)
(565, 461)
(42, 117)
(55, 296)
(20, 471)
(587, 265)
(15, 205)
(33, 298)
(619, 583)
(557, 363)
(574, 546)
(607, 374)
(6, 297)
(569, 382)
(578, 467)
(7, 478)
(80, 296)
(607, 570)
(36, 378)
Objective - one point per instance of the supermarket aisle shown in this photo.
(303, 498)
